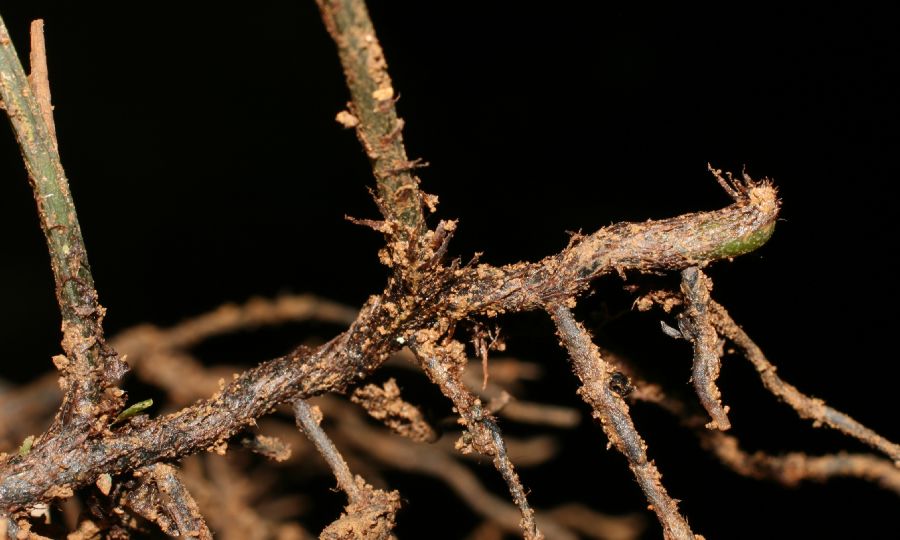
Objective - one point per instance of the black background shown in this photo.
(207, 167)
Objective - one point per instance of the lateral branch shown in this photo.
(612, 411)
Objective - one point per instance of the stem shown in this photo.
(612, 411)
(788, 469)
(308, 422)
(654, 245)
(371, 512)
(301, 374)
(807, 407)
(696, 327)
(375, 117)
(483, 433)
(90, 364)
(431, 460)
(40, 76)
(178, 503)
(792, 468)
(51, 188)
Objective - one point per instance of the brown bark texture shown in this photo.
(123, 471)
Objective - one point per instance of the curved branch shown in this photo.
(807, 407)
(654, 245)
(788, 469)
(227, 318)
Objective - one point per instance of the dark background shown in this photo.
(207, 167)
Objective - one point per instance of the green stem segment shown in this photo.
(373, 113)
(75, 293)
(51, 189)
